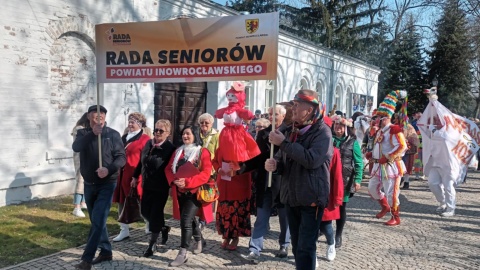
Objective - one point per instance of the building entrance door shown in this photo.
(181, 104)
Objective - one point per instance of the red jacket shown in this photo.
(336, 188)
(133, 151)
(192, 183)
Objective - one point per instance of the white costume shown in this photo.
(447, 149)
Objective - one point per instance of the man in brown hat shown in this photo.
(303, 161)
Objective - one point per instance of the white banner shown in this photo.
(452, 140)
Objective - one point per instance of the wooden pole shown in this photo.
(99, 135)
(273, 127)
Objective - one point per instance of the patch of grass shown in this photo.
(42, 227)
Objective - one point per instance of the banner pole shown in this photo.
(99, 135)
(274, 110)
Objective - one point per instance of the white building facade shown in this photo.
(48, 81)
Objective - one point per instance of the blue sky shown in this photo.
(222, 2)
(426, 19)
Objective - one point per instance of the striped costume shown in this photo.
(390, 144)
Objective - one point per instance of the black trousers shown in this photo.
(189, 206)
(153, 206)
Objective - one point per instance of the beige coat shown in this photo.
(76, 164)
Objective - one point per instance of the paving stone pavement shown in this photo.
(424, 240)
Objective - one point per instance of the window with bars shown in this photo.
(270, 87)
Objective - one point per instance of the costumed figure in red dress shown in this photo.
(239, 146)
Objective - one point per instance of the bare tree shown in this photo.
(399, 10)
(475, 37)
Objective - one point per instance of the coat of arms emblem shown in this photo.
(251, 25)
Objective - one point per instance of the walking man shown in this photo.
(303, 161)
(100, 181)
(388, 168)
(267, 197)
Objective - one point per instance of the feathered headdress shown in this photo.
(387, 107)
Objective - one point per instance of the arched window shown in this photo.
(320, 90)
(249, 95)
(304, 84)
(338, 100)
(349, 110)
(269, 88)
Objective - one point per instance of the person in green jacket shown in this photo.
(352, 166)
(209, 137)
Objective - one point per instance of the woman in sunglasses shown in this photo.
(189, 168)
(154, 159)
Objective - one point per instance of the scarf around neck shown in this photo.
(191, 153)
(298, 130)
(132, 134)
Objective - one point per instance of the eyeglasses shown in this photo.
(204, 123)
(159, 130)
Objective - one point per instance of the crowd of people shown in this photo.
(317, 166)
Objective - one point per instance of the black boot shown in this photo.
(338, 241)
(165, 231)
(406, 185)
(152, 245)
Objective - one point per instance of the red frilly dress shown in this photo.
(240, 145)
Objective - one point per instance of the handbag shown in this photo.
(411, 150)
(131, 208)
(208, 193)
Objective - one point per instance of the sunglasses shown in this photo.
(204, 123)
(159, 130)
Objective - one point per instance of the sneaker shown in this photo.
(252, 257)
(448, 213)
(78, 212)
(441, 209)
(83, 206)
(331, 253)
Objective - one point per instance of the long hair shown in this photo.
(196, 134)
(83, 121)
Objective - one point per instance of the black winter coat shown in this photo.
(305, 167)
(258, 163)
(113, 154)
(152, 166)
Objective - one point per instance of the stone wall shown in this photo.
(48, 81)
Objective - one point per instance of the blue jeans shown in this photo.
(99, 200)
(304, 224)
(327, 229)
(260, 227)
(78, 198)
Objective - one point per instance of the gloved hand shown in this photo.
(383, 160)
(368, 155)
